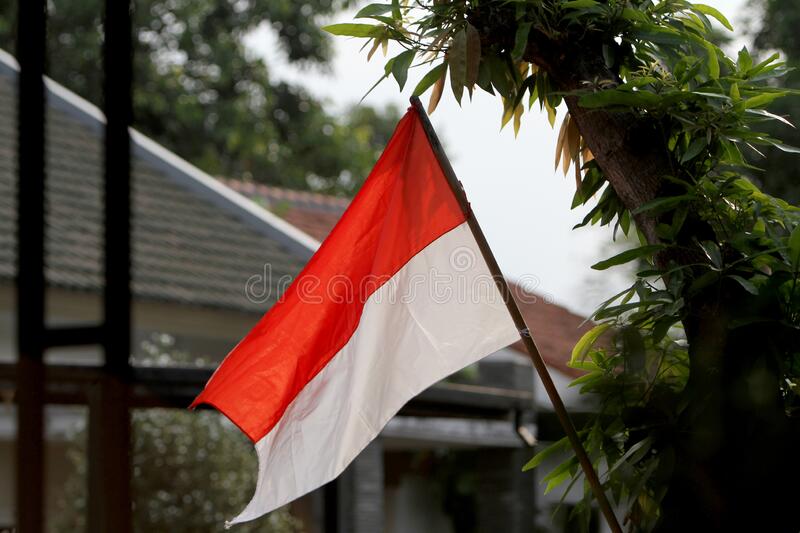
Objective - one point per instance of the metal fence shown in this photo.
(107, 393)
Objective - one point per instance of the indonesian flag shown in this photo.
(397, 298)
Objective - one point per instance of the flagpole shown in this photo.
(519, 321)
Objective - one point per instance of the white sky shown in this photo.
(521, 203)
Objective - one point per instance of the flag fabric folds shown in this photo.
(397, 298)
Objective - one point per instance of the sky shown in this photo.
(521, 203)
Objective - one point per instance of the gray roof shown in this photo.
(195, 241)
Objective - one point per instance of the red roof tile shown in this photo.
(313, 213)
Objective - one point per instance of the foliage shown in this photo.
(201, 93)
(721, 251)
(191, 471)
(777, 30)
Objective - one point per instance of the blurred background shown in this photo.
(252, 139)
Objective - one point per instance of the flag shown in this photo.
(397, 298)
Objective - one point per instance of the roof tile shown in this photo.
(185, 249)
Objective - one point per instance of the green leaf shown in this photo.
(662, 204)
(521, 40)
(713, 12)
(734, 92)
(773, 116)
(616, 310)
(500, 75)
(625, 222)
(662, 326)
(784, 147)
(712, 251)
(429, 79)
(659, 34)
(627, 256)
(694, 149)
(400, 67)
(634, 15)
(713, 61)
(387, 69)
(457, 60)
(555, 481)
(396, 13)
(746, 284)
(579, 4)
(794, 247)
(539, 458)
(608, 55)
(389, 21)
(642, 447)
(586, 342)
(763, 65)
(354, 30)
(745, 60)
(560, 474)
(587, 380)
(373, 9)
(615, 97)
(484, 80)
(762, 99)
(364, 96)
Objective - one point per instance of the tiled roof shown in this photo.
(186, 249)
(555, 329)
(314, 213)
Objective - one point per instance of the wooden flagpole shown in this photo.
(519, 321)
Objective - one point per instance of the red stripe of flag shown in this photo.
(403, 206)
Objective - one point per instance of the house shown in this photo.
(209, 257)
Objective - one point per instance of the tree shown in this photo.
(778, 31)
(698, 381)
(191, 471)
(202, 94)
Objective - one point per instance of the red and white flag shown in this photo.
(397, 298)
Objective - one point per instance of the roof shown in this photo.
(314, 213)
(194, 240)
(555, 329)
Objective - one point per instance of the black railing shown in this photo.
(30, 266)
(108, 395)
